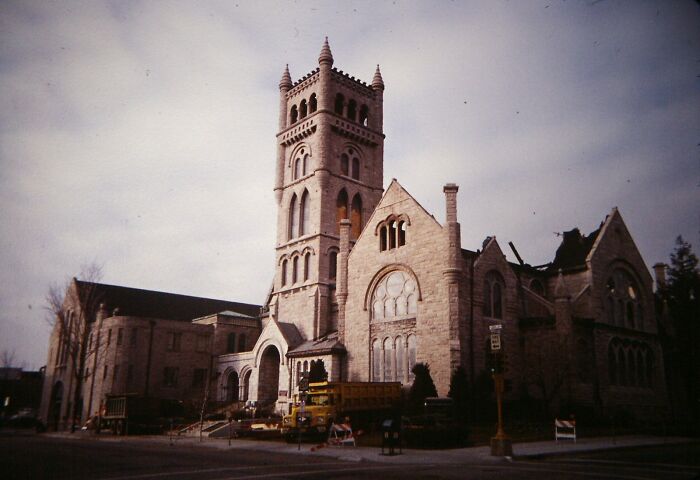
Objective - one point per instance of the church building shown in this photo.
(370, 283)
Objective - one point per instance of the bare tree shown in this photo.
(71, 308)
(7, 358)
(548, 366)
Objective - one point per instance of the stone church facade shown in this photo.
(369, 282)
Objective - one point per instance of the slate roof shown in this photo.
(151, 304)
(319, 346)
(290, 333)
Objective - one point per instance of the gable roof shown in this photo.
(320, 346)
(395, 185)
(151, 304)
(290, 333)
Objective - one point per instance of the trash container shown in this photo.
(391, 436)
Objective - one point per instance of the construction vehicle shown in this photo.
(325, 403)
(131, 413)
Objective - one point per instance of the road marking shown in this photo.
(329, 471)
(213, 470)
(567, 473)
(694, 468)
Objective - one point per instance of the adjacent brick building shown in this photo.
(370, 283)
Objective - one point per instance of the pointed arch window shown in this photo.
(332, 264)
(293, 218)
(411, 342)
(339, 103)
(493, 295)
(631, 367)
(612, 364)
(395, 296)
(313, 103)
(295, 270)
(341, 204)
(364, 115)
(307, 265)
(302, 109)
(352, 110)
(401, 232)
(305, 214)
(284, 272)
(355, 168)
(293, 114)
(392, 234)
(344, 164)
(297, 169)
(305, 165)
(623, 304)
(400, 350)
(388, 348)
(356, 216)
(376, 361)
(621, 367)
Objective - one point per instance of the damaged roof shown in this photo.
(573, 250)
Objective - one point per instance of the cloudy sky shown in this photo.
(141, 135)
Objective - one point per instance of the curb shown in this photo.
(600, 448)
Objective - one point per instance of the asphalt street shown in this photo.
(25, 456)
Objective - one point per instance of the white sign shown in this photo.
(495, 342)
(495, 328)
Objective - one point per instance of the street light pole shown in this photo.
(501, 445)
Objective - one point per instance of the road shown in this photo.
(44, 457)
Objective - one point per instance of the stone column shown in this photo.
(452, 275)
(341, 291)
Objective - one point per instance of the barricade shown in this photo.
(564, 429)
(339, 435)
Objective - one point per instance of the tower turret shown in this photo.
(285, 85)
(378, 87)
(326, 57)
(329, 169)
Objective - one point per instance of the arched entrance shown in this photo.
(55, 405)
(268, 376)
(246, 386)
(232, 387)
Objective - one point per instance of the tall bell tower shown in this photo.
(330, 155)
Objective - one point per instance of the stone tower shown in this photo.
(329, 167)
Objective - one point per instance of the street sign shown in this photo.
(495, 342)
(495, 328)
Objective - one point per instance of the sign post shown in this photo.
(303, 388)
(501, 445)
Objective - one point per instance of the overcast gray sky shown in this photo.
(141, 135)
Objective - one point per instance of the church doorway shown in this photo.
(268, 376)
(246, 386)
(55, 405)
(232, 387)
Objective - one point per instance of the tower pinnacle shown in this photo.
(377, 81)
(286, 80)
(326, 56)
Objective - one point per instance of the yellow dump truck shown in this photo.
(329, 402)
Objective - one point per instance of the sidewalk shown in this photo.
(528, 450)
